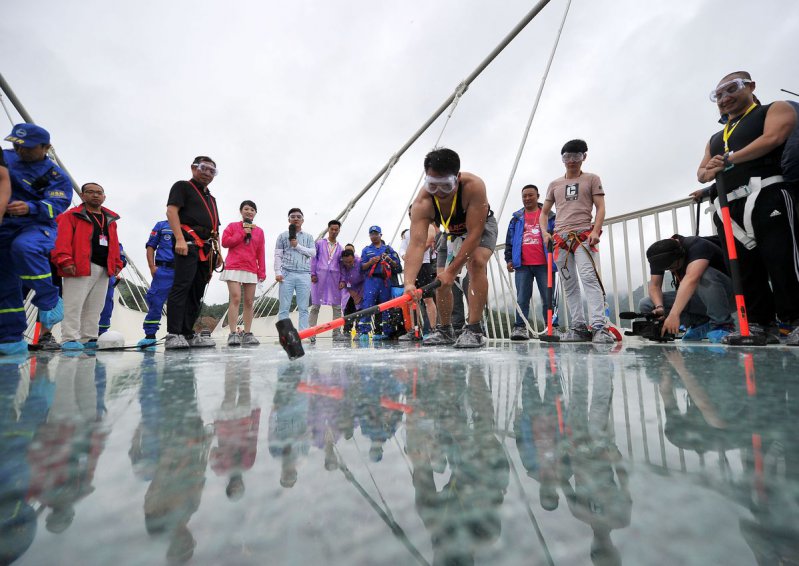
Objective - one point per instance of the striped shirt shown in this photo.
(294, 259)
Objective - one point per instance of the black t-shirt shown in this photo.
(99, 253)
(197, 207)
(696, 248)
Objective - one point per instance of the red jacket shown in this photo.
(73, 243)
(244, 256)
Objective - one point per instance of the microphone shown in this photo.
(292, 232)
(247, 223)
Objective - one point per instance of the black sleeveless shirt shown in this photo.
(457, 224)
(748, 129)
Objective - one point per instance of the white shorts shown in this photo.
(239, 276)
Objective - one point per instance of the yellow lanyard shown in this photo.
(445, 223)
(728, 131)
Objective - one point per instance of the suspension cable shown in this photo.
(532, 113)
(441, 109)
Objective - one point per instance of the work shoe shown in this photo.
(201, 341)
(233, 339)
(48, 343)
(72, 346)
(13, 348)
(175, 342)
(55, 315)
(519, 333)
(409, 337)
(696, 333)
(312, 339)
(579, 333)
(470, 339)
(441, 336)
(341, 337)
(771, 332)
(601, 335)
(719, 332)
(249, 339)
(793, 337)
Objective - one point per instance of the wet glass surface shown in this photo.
(517, 454)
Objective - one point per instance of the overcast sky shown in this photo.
(302, 102)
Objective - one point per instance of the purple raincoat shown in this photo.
(326, 268)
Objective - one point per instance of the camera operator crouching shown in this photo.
(703, 300)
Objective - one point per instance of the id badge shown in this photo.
(349, 285)
(103, 240)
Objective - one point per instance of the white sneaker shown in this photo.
(175, 342)
(200, 341)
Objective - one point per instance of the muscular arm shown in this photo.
(475, 202)
(543, 219)
(174, 222)
(780, 122)
(421, 217)
(599, 203)
(656, 290)
(688, 285)
(151, 260)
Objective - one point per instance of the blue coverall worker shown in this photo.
(161, 260)
(40, 191)
(378, 262)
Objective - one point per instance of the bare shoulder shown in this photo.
(474, 189)
(422, 207)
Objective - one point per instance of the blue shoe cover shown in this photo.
(145, 342)
(72, 345)
(13, 348)
(52, 317)
(696, 333)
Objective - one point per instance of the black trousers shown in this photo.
(769, 271)
(186, 295)
(349, 309)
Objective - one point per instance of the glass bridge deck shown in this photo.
(515, 454)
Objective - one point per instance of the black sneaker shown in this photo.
(470, 339)
(519, 333)
(579, 333)
(441, 336)
(48, 343)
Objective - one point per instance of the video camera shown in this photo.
(650, 327)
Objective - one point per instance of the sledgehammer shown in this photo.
(291, 339)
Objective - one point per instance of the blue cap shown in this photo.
(28, 135)
(375, 229)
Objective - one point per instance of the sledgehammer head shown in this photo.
(289, 339)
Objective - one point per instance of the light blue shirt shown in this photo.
(296, 259)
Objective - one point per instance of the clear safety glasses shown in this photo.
(728, 89)
(440, 185)
(572, 157)
(206, 168)
(296, 217)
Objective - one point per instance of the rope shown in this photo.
(532, 113)
(3, 102)
(391, 163)
(459, 92)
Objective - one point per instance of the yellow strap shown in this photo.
(445, 223)
(728, 131)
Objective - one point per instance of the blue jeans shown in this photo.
(299, 283)
(524, 275)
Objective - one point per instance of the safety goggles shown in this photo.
(206, 168)
(572, 157)
(440, 185)
(728, 89)
(296, 217)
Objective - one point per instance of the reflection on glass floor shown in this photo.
(518, 454)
